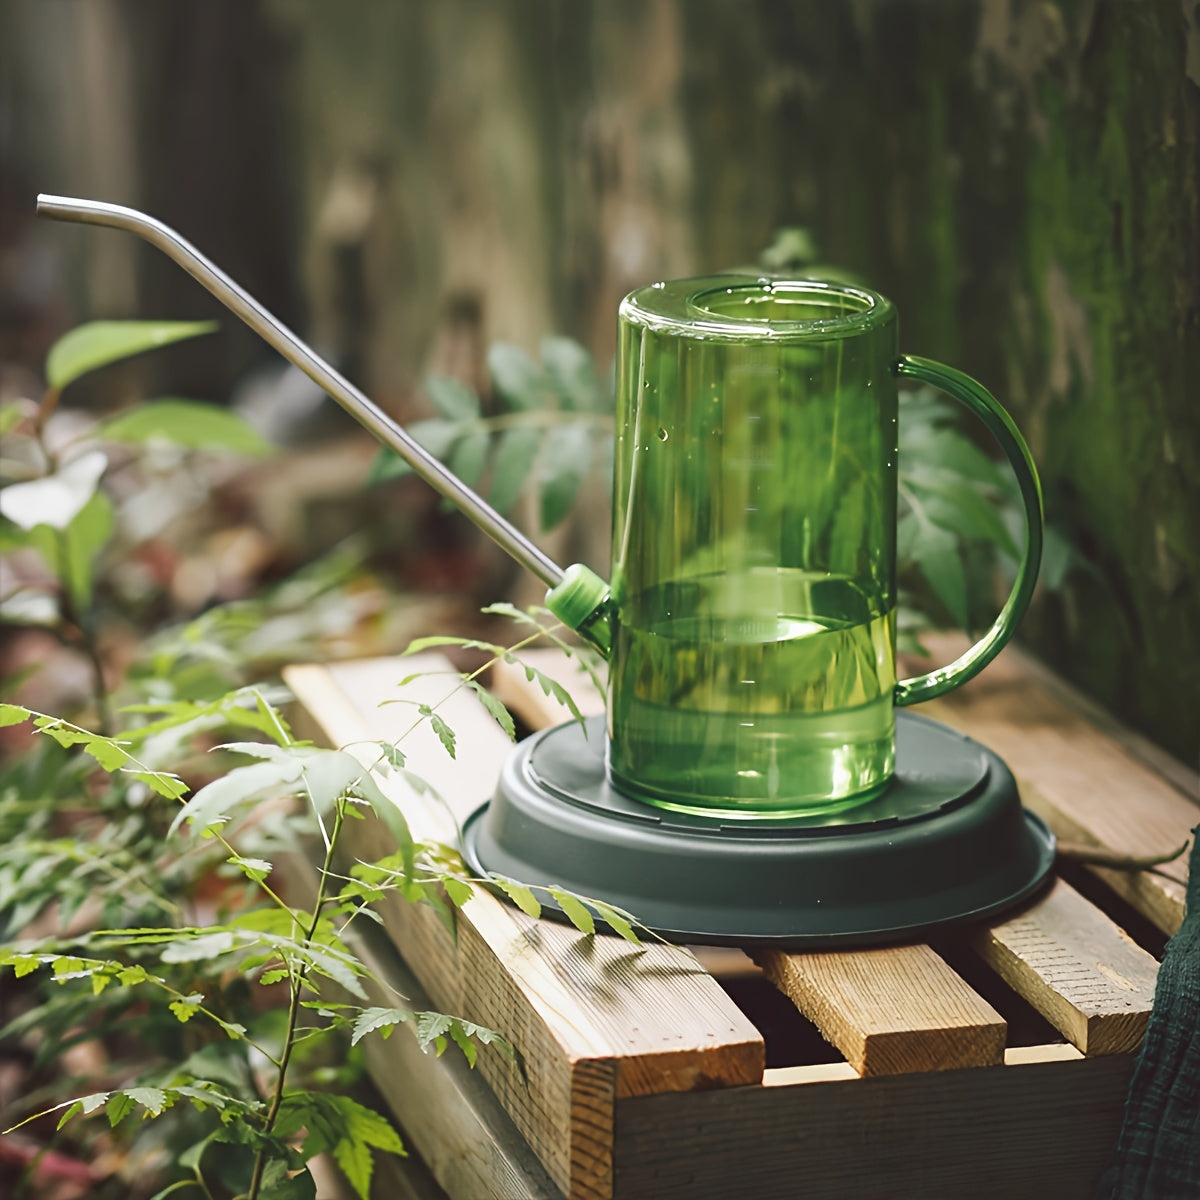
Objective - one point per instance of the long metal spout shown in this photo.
(273, 331)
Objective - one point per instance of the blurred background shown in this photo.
(408, 183)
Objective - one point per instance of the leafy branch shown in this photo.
(552, 416)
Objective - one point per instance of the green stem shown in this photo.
(85, 623)
(289, 1041)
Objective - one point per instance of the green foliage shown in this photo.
(189, 982)
(56, 507)
(185, 423)
(544, 424)
(958, 520)
(102, 342)
(959, 513)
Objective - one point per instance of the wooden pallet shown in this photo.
(990, 1064)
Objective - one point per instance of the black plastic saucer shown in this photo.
(947, 842)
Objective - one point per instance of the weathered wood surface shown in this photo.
(1039, 1128)
(902, 1008)
(1077, 968)
(593, 1019)
(616, 1107)
(892, 1010)
(1088, 785)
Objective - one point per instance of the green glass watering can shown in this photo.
(750, 621)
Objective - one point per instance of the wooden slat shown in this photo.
(1037, 1130)
(1088, 784)
(593, 1019)
(1077, 968)
(892, 1010)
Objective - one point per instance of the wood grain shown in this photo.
(891, 1010)
(1088, 784)
(1077, 968)
(1033, 1130)
(592, 1018)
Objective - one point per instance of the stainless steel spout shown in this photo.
(278, 335)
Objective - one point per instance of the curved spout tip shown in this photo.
(51, 206)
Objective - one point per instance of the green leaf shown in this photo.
(393, 754)
(452, 398)
(106, 752)
(431, 1030)
(518, 380)
(256, 869)
(444, 733)
(186, 1008)
(462, 1040)
(939, 561)
(329, 774)
(54, 500)
(469, 455)
(512, 465)
(85, 1105)
(459, 890)
(561, 468)
(960, 508)
(551, 687)
(119, 1106)
(617, 920)
(1059, 558)
(212, 804)
(337, 1123)
(86, 537)
(499, 713)
(178, 1186)
(186, 423)
(574, 910)
(162, 783)
(573, 375)
(428, 643)
(481, 1034)
(502, 608)
(372, 1019)
(13, 714)
(11, 415)
(279, 1184)
(519, 894)
(98, 343)
(153, 1099)
(198, 947)
(434, 435)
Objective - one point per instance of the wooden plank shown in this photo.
(1088, 784)
(668, 1024)
(1077, 968)
(1038, 1130)
(891, 1010)
(593, 1019)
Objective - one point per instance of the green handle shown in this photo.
(984, 405)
